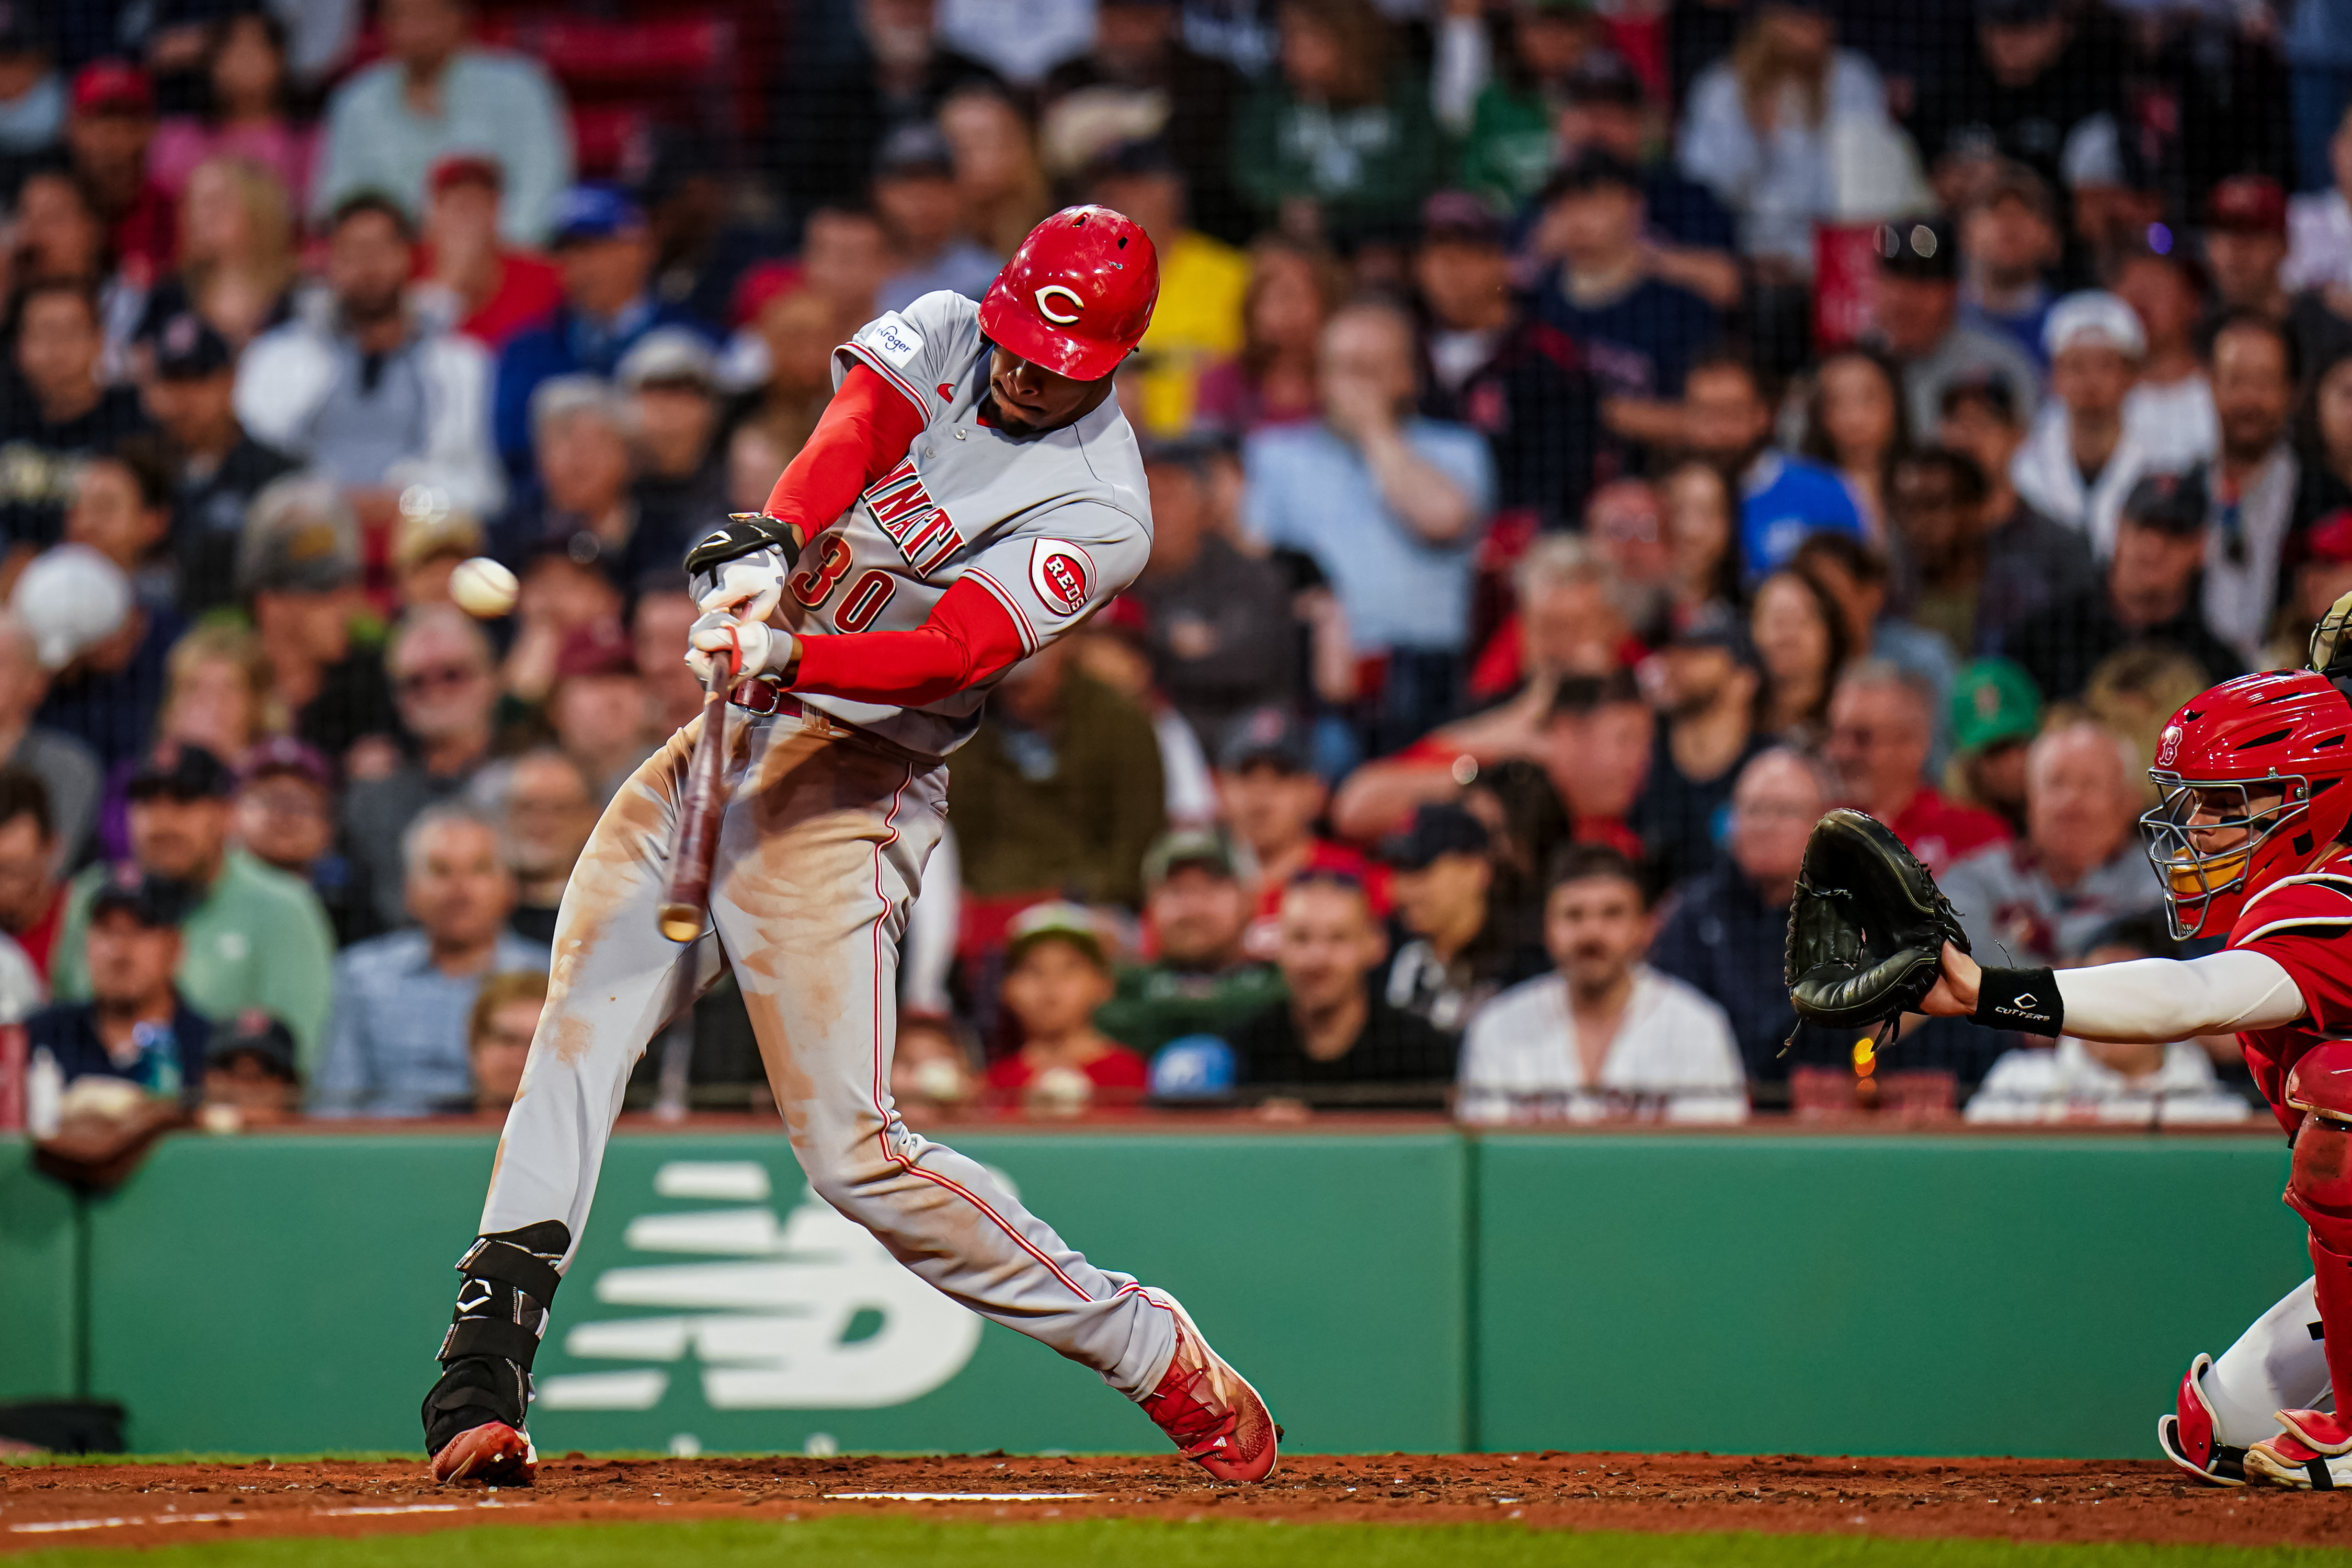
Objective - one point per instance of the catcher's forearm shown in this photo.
(2153, 1000)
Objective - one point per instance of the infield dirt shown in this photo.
(2021, 1499)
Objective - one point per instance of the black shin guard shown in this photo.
(511, 1281)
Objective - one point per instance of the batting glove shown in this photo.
(758, 649)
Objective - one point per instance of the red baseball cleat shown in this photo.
(493, 1453)
(1215, 1418)
(2314, 1454)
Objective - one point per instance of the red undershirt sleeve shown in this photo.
(969, 637)
(863, 431)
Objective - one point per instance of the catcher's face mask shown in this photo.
(2205, 833)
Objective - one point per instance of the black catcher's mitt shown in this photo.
(1867, 927)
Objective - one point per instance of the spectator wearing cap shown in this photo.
(111, 122)
(298, 568)
(286, 820)
(217, 469)
(548, 807)
(1337, 141)
(1216, 623)
(1601, 104)
(1203, 281)
(1604, 1036)
(1141, 71)
(2009, 242)
(444, 685)
(131, 1020)
(33, 105)
(598, 705)
(62, 412)
(1271, 800)
(2081, 458)
(2252, 482)
(250, 1076)
(2319, 223)
(2149, 595)
(2246, 246)
(2080, 865)
(2171, 407)
(1882, 723)
(1994, 712)
(398, 1042)
(67, 769)
(1974, 560)
(2080, 1080)
(428, 547)
(1201, 980)
(1917, 319)
(1757, 128)
(468, 276)
(106, 652)
(1726, 933)
(1707, 686)
(251, 937)
(1641, 333)
(1391, 506)
(437, 93)
(606, 254)
(2039, 88)
(366, 392)
(215, 696)
(1055, 976)
(1455, 954)
(1520, 383)
(1335, 1040)
(2321, 555)
(1061, 789)
(915, 194)
(498, 1032)
(671, 381)
(1726, 419)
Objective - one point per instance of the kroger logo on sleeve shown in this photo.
(894, 340)
(1063, 575)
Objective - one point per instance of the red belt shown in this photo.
(765, 696)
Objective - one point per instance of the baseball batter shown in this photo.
(971, 493)
(2251, 842)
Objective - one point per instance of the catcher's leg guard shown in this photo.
(2315, 1449)
(2190, 1436)
(474, 1416)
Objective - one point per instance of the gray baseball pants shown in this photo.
(820, 853)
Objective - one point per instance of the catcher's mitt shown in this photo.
(1867, 925)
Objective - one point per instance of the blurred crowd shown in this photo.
(1587, 439)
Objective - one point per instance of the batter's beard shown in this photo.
(993, 412)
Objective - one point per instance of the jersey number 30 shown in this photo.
(813, 586)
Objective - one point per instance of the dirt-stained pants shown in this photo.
(820, 854)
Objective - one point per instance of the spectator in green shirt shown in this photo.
(253, 937)
(1199, 907)
(1336, 144)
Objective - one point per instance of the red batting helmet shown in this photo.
(2263, 754)
(1077, 295)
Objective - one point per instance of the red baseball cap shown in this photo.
(2247, 203)
(112, 87)
(600, 649)
(2329, 539)
(458, 168)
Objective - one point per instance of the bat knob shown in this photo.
(679, 922)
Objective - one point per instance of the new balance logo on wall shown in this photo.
(925, 535)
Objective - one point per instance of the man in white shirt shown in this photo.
(1604, 1035)
(2081, 459)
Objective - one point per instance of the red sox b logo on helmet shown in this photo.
(1063, 575)
(2167, 746)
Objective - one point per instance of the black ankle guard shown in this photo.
(2023, 999)
(474, 1392)
(511, 1281)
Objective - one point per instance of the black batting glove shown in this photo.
(746, 533)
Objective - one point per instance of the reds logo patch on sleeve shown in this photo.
(1063, 575)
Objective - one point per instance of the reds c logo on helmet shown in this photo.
(1063, 575)
(1078, 294)
(2251, 774)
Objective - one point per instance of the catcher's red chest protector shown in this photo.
(2304, 924)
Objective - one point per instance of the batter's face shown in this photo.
(1030, 400)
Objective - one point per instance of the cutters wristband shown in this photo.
(2023, 999)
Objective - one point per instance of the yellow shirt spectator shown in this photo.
(1197, 323)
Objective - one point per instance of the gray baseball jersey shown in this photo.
(1053, 526)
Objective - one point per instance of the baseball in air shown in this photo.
(482, 587)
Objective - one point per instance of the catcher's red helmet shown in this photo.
(2264, 754)
(1077, 295)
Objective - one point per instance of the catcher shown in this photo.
(2249, 843)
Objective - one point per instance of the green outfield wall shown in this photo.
(1415, 1290)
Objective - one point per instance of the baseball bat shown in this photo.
(701, 803)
